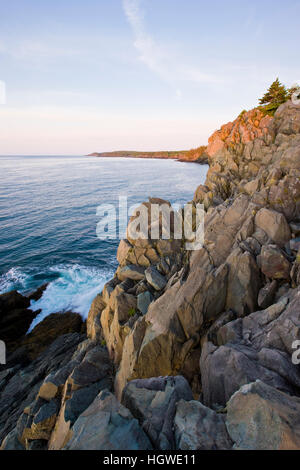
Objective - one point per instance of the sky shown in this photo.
(99, 75)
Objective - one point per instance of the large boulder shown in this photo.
(255, 347)
(224, 225)
(155, 279)
(274, 263)
(200, 428)
(94, 366)
(144, 299)
(107, 425)
(135, 273)
(115, 323)
(243, 282)
(153, 403)
(259, 417)
(284, 194)
(274, 224)
(93, 324)
(123, 251)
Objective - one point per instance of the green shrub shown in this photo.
(131, 312)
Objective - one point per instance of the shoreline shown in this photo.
(181, 155)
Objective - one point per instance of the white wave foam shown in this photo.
(15, 278)
(74, 290)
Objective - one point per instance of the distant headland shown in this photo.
(197, 155)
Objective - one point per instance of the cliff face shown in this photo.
(231, 151)
(219, 323)
(257, 156)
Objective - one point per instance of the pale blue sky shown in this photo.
(100, 75)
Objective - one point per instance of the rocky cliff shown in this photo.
(187, 350)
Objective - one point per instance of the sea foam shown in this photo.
(74, 290)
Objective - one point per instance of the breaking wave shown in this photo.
(72, 288)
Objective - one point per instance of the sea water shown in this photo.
(48, 220)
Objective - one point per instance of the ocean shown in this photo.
(48, 220)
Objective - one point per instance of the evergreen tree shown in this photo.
(274, 97)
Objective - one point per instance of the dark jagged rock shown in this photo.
(15, 318)
(144, 299)
(53, 326)
(153, 403)
(37, 294)
(20, 386)
(266, 294)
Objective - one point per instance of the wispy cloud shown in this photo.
(36, 50)
(156, 57)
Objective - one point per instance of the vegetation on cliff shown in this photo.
(197, 155)
(276, 95)
(136, 154)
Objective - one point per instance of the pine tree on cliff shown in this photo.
(275, 96)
